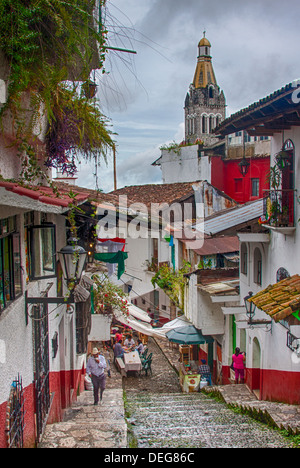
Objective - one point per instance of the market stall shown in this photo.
(189, 379)
(187, 337)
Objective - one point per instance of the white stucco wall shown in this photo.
(282, 251)
(185, 166)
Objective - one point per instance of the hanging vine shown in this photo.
(172, 283)
(49, 44)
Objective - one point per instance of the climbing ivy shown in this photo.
(49, 44)
(172, 283)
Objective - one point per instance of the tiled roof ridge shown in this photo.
(280, 92)
(280, 300)
(44, 194)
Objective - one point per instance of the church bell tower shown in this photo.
(205, 105)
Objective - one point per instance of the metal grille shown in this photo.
(15, 419)
(41, 376)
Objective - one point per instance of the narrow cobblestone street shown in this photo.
(158, 416)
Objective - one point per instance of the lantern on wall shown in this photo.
(244, 166)
(72, 258)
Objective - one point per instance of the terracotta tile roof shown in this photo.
(275, 106)
(45, 194)
(92, 195)
(156, 193)
(219, 245)
(280, 300)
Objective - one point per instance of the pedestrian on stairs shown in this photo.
(95, 369)
(238, 363)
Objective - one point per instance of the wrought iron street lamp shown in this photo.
(72, 258)
(250, 306)
(90, 89)
(244, 166)
(250, 312)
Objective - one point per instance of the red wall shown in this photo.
(274, 385)
(64, 387)
(226, 176)
(29, 432)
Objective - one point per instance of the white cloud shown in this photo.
(254, 49)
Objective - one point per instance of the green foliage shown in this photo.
(41, 38)
(172, 283)
(47, 43)
(77, 129)
(108, 296)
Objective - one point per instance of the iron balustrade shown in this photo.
(15, 415)
(279, 207)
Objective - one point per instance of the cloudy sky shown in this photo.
(255, 52)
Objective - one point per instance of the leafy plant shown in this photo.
(172, 283)
(108, 296)
(47, 43)
(77, 130)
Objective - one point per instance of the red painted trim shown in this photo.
(274, 385)
(64, 388)
(30, 430)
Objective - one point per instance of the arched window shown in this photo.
(204, 124)
(211, 124)
(211, 92)
(244, 259)
(257, 267)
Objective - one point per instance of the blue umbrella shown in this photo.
(188, 335)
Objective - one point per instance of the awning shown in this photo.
(227, 220)
(132, 322)
(145, 327)
(176, 323)
(139, 314)
(188, 335)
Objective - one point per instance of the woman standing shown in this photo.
(238, 361)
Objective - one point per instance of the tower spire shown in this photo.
(204, 74)
(205, 102)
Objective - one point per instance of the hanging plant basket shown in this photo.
(90, 89)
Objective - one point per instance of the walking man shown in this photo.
(95, 369)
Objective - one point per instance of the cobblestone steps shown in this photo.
(282, 416)
(89, 426)
(195, 421)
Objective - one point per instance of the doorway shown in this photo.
(256, 368)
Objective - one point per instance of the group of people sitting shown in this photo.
(128, 346)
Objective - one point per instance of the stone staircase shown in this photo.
(89, 426)
(280, 415)
(194, 421)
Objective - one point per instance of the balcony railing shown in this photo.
(279, 208)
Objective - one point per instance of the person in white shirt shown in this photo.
(140, 348)
(129, 342)
(95, 369)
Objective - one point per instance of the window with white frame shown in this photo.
(244, 259)
(10, 262)
(257, 274)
